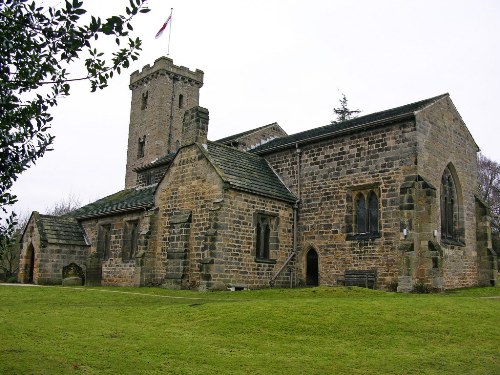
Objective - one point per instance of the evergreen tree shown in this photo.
(343, 112)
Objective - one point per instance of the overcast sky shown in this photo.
(280, 61)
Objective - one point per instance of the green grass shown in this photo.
(56, 330)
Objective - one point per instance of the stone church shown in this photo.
(390, 196)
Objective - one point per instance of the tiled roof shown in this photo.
(248, 172)
(346, 126)
(60, 230)
(123, 201)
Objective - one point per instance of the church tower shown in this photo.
(160, 95)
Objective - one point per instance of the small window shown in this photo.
(130, 240)
(104, 241)
(140, 147)
(144, 103)
(181, 101)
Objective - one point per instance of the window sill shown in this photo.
(264, 260)
(452, 241)
(363, 236)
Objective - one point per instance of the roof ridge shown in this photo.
(233, 149)
(246, 132)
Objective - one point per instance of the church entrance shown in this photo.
(30, 267)
(312, 277)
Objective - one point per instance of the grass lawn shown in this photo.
(56, 330)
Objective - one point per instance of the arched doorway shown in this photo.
(312, 268)
(30, 264)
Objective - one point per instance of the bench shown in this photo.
(363, 278)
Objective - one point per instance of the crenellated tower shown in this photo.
(160, 95)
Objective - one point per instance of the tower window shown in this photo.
(181, 101)
(144, 103)
(140, 147)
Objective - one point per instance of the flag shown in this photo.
(158, 34)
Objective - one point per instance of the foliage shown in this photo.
(9, 248)
(63, 206)
(343, 112)
(489, 188)
(39, 44)
(299, 331)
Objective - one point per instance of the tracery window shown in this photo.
(366, 212)
(450, 209)
(363, 214)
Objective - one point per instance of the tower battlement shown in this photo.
(165, 66)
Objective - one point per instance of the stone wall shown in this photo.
(331, 172)
(444, 141)
(233, 261)
(206, 239)
(117, 269)
(185, 198)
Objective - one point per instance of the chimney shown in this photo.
(195, 126)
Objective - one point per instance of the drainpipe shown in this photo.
(296, 208)
(298, 151)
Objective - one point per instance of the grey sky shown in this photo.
(281, 61)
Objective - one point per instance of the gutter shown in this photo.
(337, 132)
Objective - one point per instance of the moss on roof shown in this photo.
(122, 201)
(377, 118)
(61, 230)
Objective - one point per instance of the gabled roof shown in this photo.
(163, 160)
(374, 119)
(60, 230)
(231, 138)
(167, 159)
(123, 201)
(247, 172)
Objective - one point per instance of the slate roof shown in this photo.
(373, 119)
(123, 201)
(60, 230)
(247, 172)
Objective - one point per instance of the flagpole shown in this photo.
(170, 31)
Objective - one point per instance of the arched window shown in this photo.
(450, 208)
(364, 220)
(361, 214)
(265, 236)
(181, 101)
